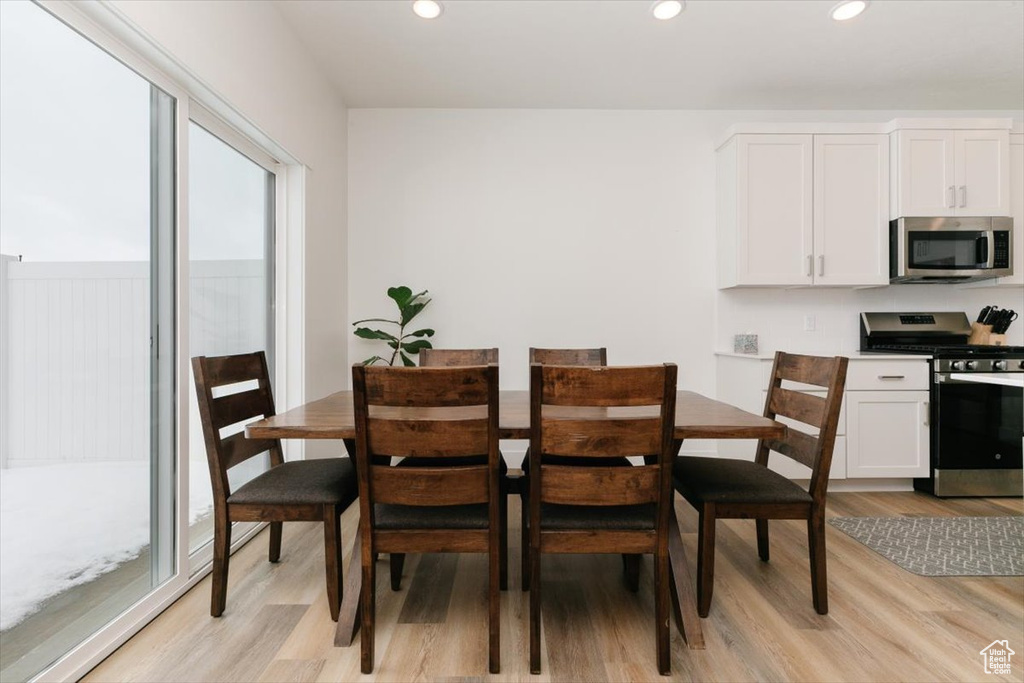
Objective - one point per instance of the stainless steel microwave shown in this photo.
(949, 249)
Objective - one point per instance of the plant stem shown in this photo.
(401, 335)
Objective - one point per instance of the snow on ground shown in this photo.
(65, 525)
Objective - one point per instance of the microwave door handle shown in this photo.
(984, 252)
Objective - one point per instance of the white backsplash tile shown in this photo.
(777, 315)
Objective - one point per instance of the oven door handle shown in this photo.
(946, 378)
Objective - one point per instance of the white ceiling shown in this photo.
(750, 54)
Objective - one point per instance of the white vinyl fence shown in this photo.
(75, 352)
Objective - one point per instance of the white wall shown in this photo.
(246, 53)
(577, 228)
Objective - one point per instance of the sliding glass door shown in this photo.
(231, 278)
(87, 474)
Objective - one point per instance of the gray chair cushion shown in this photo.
(303, 482)
(722, 480)
(392, 517)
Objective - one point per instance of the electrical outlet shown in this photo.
(809, 323)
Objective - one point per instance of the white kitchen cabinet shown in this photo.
(1016, 209)
(803, 210)
(887, 434)
(764, 210)
(851, 207)
(951, 173)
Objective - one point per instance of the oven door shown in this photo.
(977, 433)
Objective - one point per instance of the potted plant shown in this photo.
(403, 345)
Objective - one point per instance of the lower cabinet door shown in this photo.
(886, 434)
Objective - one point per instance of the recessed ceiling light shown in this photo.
(427, 9)
(667, 9)
(848, 9)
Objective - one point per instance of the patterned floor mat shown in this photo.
(943, 546)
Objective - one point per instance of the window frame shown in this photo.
(107, 28)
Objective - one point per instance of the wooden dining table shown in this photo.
(697, 417)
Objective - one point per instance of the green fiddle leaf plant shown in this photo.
(403, 344)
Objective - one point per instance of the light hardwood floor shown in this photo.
(884, 624)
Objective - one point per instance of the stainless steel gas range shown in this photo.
(976, 401)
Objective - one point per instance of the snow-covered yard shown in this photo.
(65, 525)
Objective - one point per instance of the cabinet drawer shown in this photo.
(887, 375)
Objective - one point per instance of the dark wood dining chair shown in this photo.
(439, 358)
(304, 490)
(599, 413)
(575, 357)
(740, 489)
(427, 413)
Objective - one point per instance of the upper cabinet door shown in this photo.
(927, 182)
(1016, 209)
(982, 172)
(851, 209)
(773, 209)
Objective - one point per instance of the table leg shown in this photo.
(683, 600)
(682, 588)
(348, 616)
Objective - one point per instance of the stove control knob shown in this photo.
(957, 365)
(971, 365)
(999, 365)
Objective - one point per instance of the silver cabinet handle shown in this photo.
(810, 265)
(927, 410)
(892, 377)
(952, 196)
(963, 196)
(821, 265)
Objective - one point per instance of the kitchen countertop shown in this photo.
(853, 356)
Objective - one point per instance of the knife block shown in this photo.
(997, 340)
(982, 334)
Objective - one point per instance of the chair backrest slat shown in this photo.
(601, 438)
(569, 356)
(820, 413)
(426, 387)
(224, 370)
(235, 408)
(225, 452)
(603, 386)
(427, 438)
(430, 358)
(429, 485)
(236, 449)
(799, 446)
(599, 485)
(426, 413)
(815, 370)
(806, 408)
